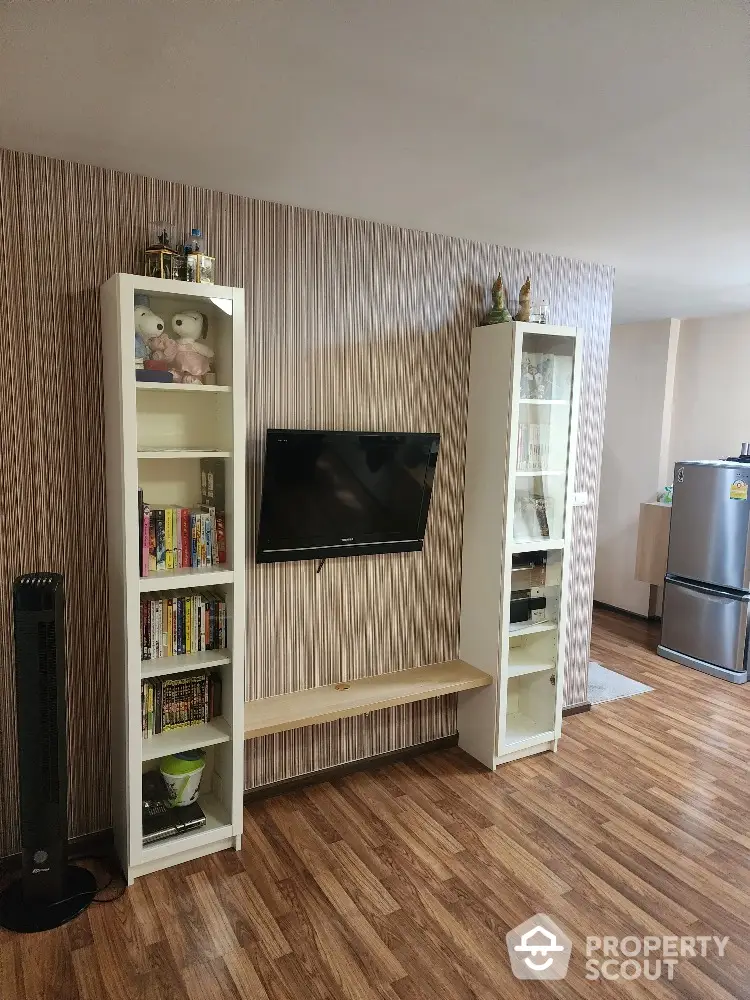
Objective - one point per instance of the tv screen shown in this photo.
(344, 493)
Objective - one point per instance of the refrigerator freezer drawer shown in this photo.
(705, 624)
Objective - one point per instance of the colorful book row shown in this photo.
(175, 625)
(169, 703)
(174, 538)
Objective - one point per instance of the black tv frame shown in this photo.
(345, 549)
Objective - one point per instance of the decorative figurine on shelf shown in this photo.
(524, 303)
(147, 325)
(499, 311)
(199, 266)
(163, 348)
(149, 334)
(162, 261)
(194, 356)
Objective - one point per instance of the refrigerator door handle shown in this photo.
(735, 595)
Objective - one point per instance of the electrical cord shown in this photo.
(114, 877)
(105, 861)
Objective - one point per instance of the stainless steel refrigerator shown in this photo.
(707, 586)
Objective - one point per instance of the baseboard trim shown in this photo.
(89, 845)
(601, 606)
(577, 709)
(339, 770)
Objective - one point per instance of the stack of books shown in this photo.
(176, 702)
(173, 625)
(181, 538)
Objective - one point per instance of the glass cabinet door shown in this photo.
(544, 414)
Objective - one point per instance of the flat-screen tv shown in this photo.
(344, 493)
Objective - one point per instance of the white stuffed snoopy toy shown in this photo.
(194, 356)
(147, 326)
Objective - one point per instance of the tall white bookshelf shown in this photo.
(156, 435)
(520, 463)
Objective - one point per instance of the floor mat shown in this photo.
(606, 685)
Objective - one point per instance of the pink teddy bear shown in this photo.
(163, 348)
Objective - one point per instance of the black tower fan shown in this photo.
(50, 891)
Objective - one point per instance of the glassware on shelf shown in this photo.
(533, 512)
(539, 311)
(533, 447)
(537, 372)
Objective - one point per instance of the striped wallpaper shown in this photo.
(350, 324)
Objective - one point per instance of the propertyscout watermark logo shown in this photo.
(651, 957)
(540, 949)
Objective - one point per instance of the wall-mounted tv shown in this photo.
(344, 493)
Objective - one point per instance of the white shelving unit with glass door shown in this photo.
(156, 436)
(518, 502)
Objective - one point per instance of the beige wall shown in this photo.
(712, 401)
(635, 458)
(675, 391)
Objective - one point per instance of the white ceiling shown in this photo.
(615, 131)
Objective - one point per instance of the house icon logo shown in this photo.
(538, 949)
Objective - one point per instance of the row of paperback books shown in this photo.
(176, 702)
(172, 625)
(180, 538)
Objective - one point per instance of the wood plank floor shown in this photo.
(401, 883)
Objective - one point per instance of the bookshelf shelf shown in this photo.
(181, 453)
(165, 665)
(536, 545)
(207, 734)
(530, 667)
(155, 435)
(181, 579)
(525, 473)
(533, 629)
(522, 731)
(179, 387)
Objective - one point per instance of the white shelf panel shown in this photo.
(536, 544)
(181, 579)
(179, 289)
(180, 387)
(523, 731)
(531, 658)
(218, 827)
(527, 473)
(520, 668)
(532, 629)
(182, 453)
(165, 665)
(207, 734)
(544, 402)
